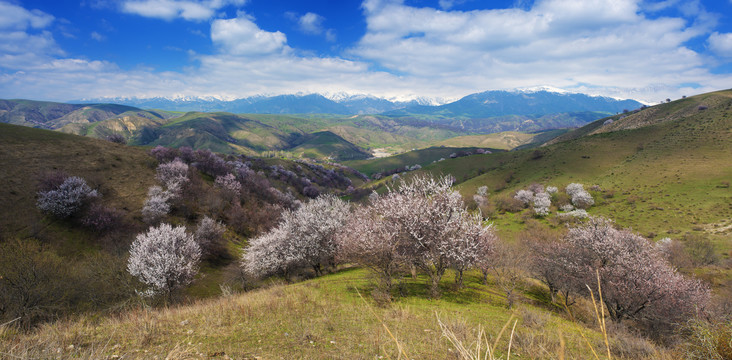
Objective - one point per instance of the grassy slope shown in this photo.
(667, 177)
(422, 157)
(316, 319)
(505, 140)
(325, 144)
(124, 174)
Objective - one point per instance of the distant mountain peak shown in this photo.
(546, 88)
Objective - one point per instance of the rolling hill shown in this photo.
(663, 171)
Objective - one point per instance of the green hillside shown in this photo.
(663, 179)
(422, 157)
(325, 144)
(51, 115)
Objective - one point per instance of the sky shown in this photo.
(648, 50)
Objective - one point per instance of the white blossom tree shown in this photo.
(525, 196)
(313, 228)
(636, 282)
(66, 199)
(173, 175)
(437, 228)
(580, 197)
(371, 239)
(156, 205)
(165, 258)
(542, 201)
(306, 236)
(229, 184)
(266, 254)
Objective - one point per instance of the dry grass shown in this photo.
(318, 319)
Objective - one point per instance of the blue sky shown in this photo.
(399, 49)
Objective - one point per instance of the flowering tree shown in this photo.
(209, 236)
(637, 283)
(542, 201)
(156, 205)
(66, 199)
(165, 258)
(525, 196)
(313, 228)
(580, 197)
(438, 231)
(267, 254)
(372, 239)
(173, 175)
(304, 236)
(229, 184)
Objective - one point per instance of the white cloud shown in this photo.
(97, 36)
(721, 44)
(241, 36)
(17, 18)
(311, 23)
(605, 45)
(194, 10)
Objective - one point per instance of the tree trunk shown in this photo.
(459, 279)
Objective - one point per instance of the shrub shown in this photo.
(51, 180)
(67, 199)
(508, 204)
(164, 258)
(117, 139)
(101, 218)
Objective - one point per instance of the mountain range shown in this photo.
(539, 101)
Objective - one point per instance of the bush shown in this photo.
(508, 204)
(117, 139)
(101, 218)
(67, 199)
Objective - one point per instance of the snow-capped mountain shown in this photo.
(527, 101)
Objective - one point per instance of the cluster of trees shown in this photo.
(422, 224)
